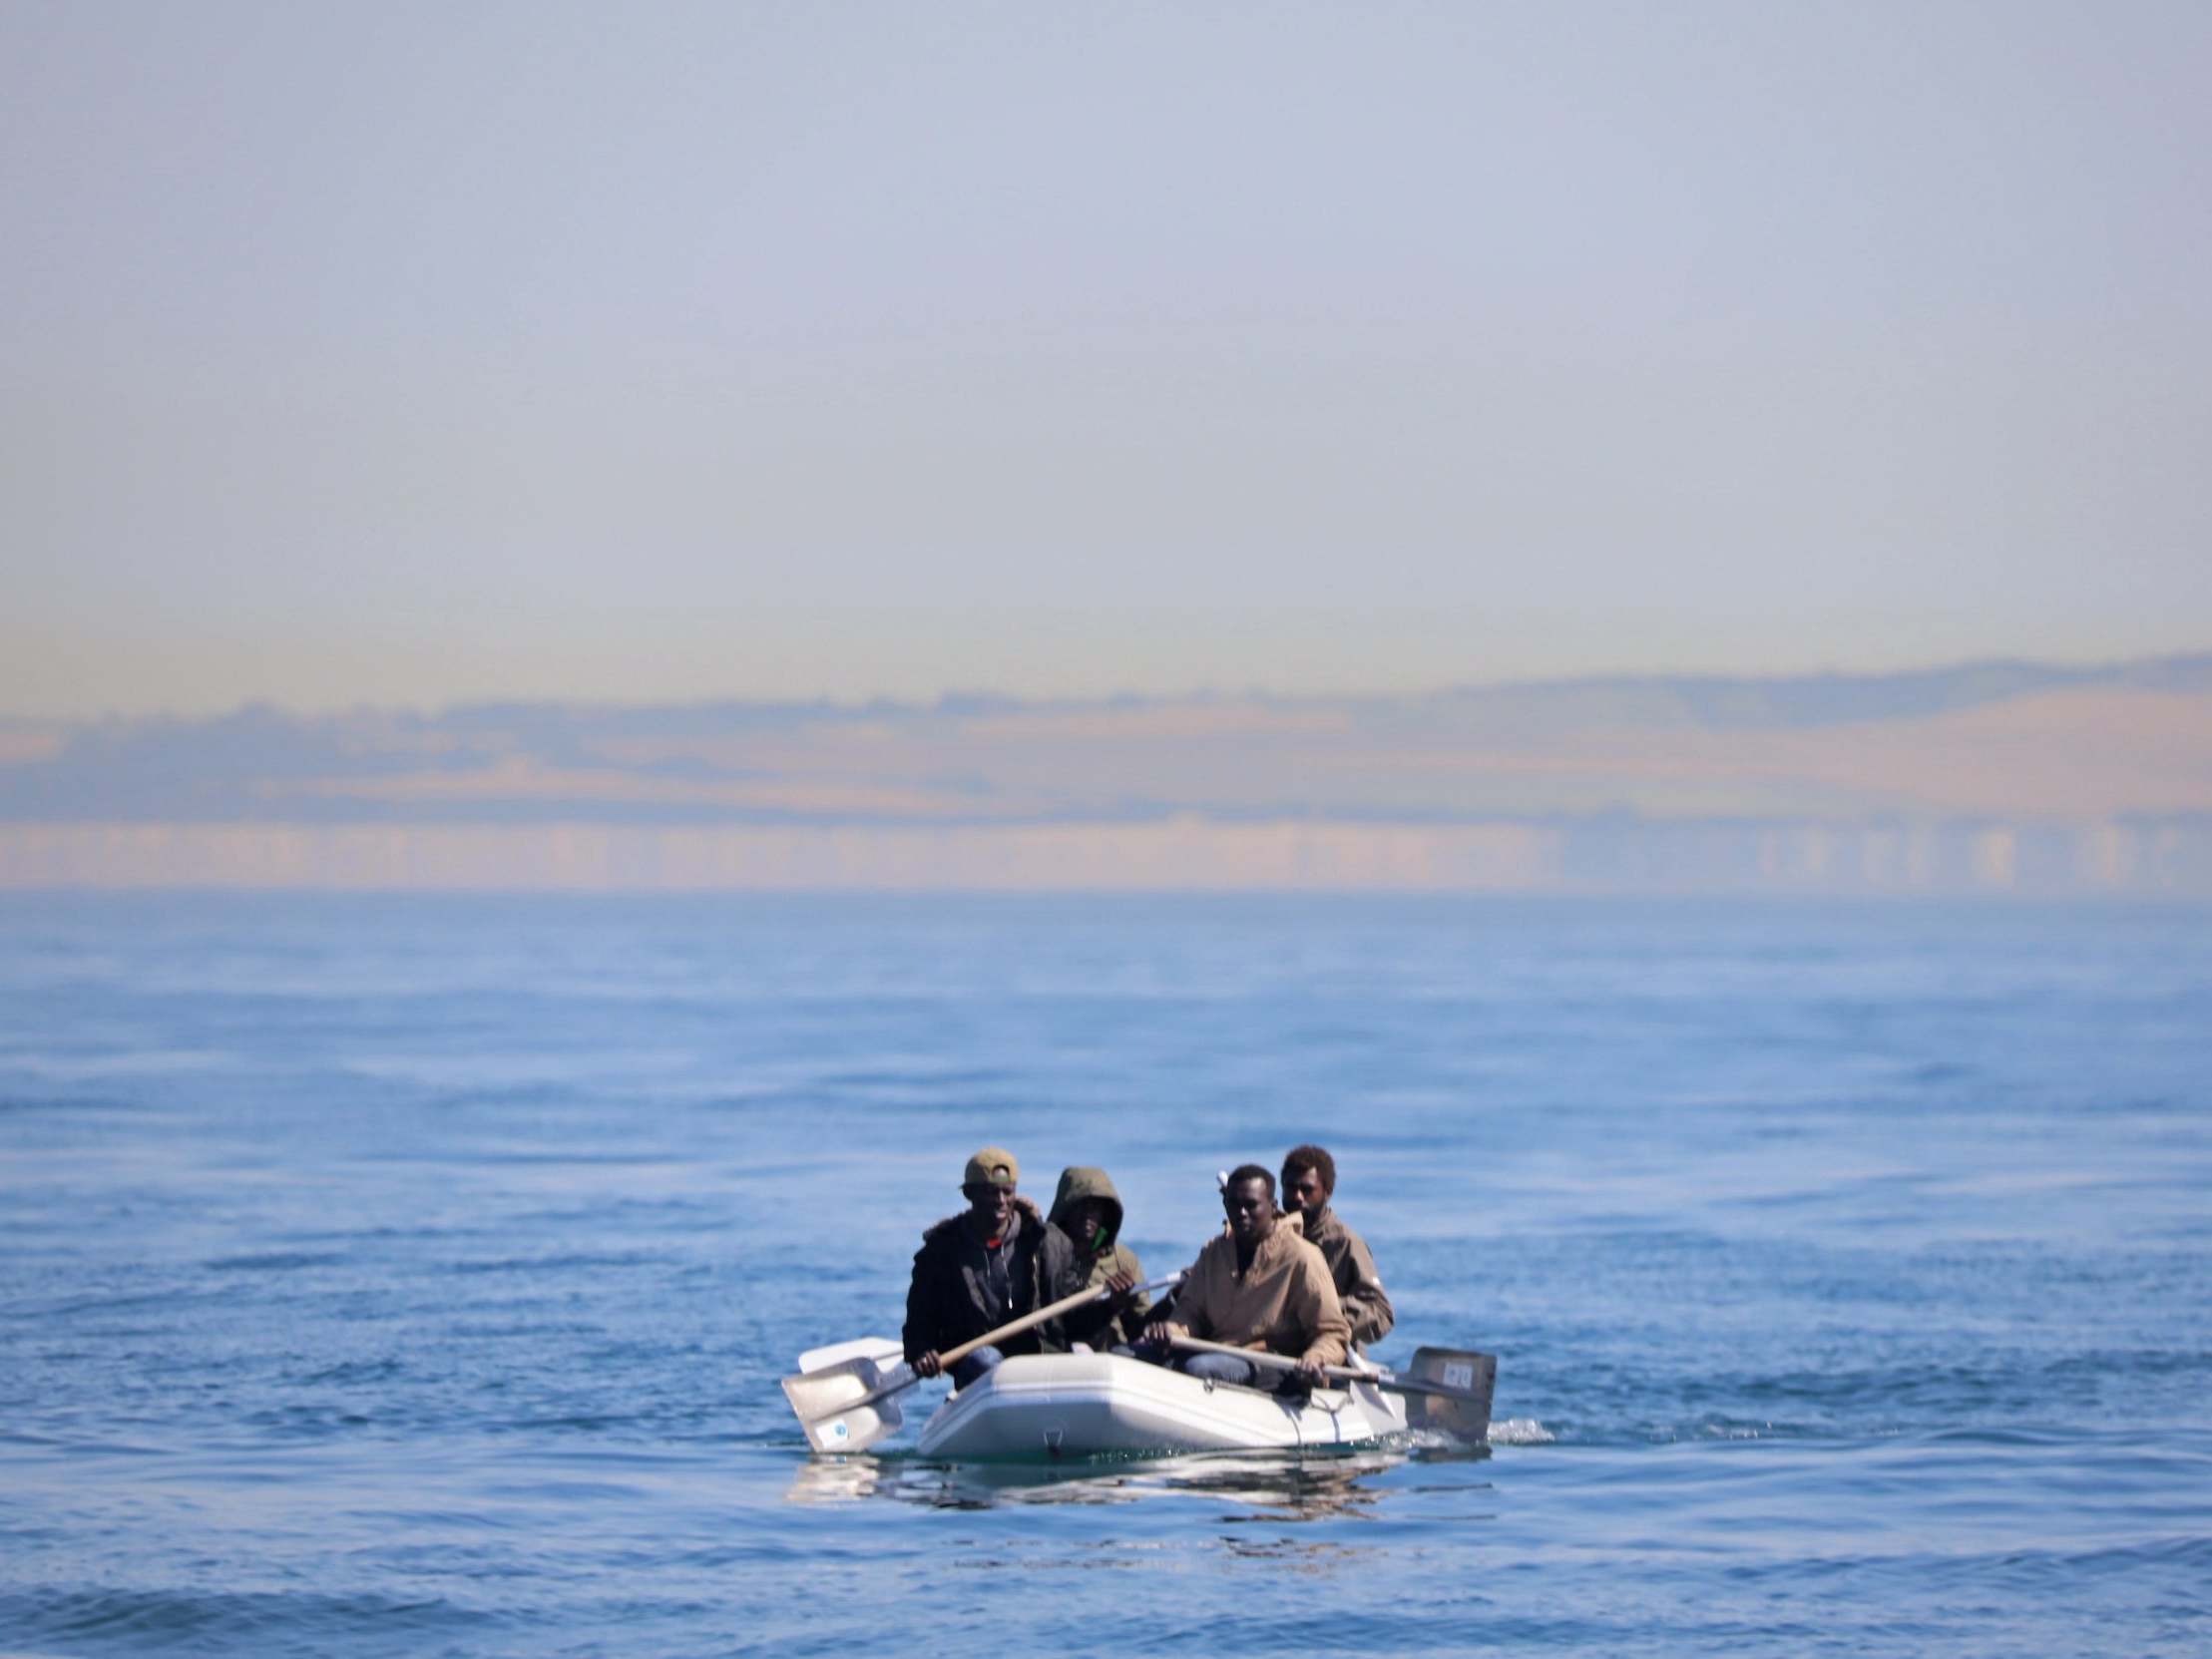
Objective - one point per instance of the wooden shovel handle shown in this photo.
(1014, 1327)
(1261, 1357)
(1335, 1373)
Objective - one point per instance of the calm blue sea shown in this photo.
(411, 1276)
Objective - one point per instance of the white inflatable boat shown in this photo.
(1087, 1404)
(1104, 1405)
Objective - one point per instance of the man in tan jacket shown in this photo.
(1309, 1177)
(1259, 1285)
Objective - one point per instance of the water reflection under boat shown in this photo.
(1272, 1486)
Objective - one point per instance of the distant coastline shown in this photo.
(1994, 777)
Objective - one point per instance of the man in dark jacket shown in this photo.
(976, 1271)
(1088, 1211)
(1309, 1178)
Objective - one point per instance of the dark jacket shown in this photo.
(1100, 1326)
(953, 1297)
(1358, 1286)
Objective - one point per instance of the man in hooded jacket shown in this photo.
(978, 1270)
(1088, 1211)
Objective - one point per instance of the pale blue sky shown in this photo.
(411, 353)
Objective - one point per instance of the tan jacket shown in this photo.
(1352, 1267)
(1286, 1304)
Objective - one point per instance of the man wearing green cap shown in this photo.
(976, 1271)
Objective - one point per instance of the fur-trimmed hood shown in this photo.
(1023, 1207)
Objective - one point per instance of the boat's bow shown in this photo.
(1108, 1404)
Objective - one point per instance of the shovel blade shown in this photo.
(1465, 1413)
(882, 1350)
(830, 1410)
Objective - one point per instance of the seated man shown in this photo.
(1259, 1285)
(1088, 1211)
(1309, 1178)
(976, 1271)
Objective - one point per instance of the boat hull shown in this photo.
(1047, 1405)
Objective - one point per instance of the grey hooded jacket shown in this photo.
(1096, 1260)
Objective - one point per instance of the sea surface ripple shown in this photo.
(412, 1276)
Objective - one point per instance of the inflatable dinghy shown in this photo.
(1106, 1405)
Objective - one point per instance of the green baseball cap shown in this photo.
(993, 1167)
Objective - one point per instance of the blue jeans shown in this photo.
(975, 1365)
(1220, 1368)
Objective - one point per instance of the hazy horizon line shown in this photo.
(983, 700)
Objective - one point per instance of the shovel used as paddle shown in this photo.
(1447, 1389)
(851, 1403)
